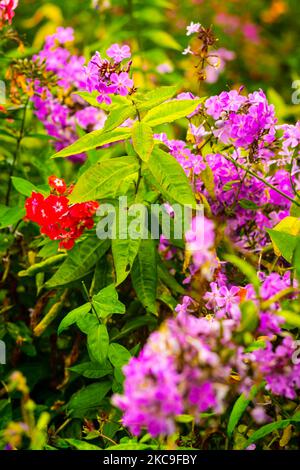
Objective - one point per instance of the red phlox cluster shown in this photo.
(59, 219)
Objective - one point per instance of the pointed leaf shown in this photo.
(118, 115)
(98, 342)
(170, 177)
(93, 140)
(104, 179)
(268, 428)
(155, 97)
(171, 111)
(144, 274)
(118, 355)
(88, 398)
(73, 316)
(80, 261)
(142, 139)
(106, 302)
(92, 370)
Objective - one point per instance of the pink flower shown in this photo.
(122, 82)
(104, 92)
(118, 53)
(64, 35)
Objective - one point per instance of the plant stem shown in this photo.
(89, 299)
(260, 178)
(16, 154)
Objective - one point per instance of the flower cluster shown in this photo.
(242, 120)
(183, 370)
(241, 124)
(180, 370)
(7, 10)
(57, 218)
(276, 366)
(61, 110)
(109, 77)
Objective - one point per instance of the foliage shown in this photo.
(133, 342)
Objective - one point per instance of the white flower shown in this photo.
(193, 28)
(188, 50)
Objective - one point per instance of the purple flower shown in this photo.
(121, 82)
(118, 53)
(64, 35)
(104, 92)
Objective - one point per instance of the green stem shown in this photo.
(89, 299)
(260, 178)
(16, 154)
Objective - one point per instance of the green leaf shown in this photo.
(170, 111)
(168, 279)
(43, 265)
(91, 98)
(142, 139)
(11, 216)
(291, 318)
(132, 446)
(6, 413)
(296, 257)
(98, 342)
(118, 115)
(80, 261)
(246, 204)
(170, 177)
(118, 355)
(93, 140)
(92, 370)
(268, 428)
(295, 209)
(284, 243)
(104, 179)
(184, 419)
(23, 186)
(87, 323)
(155, 97)
(124, 250)
(144, 274)
(106, 302)
(81, 445)
(255, 345)
(207, 176)
(239, 408)
(73, 316)
(133, 325)
(88, 398)
(250, 317)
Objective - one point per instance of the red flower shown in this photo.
(58, 184)
(56, 218)
(7, 8)
(34, 206)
